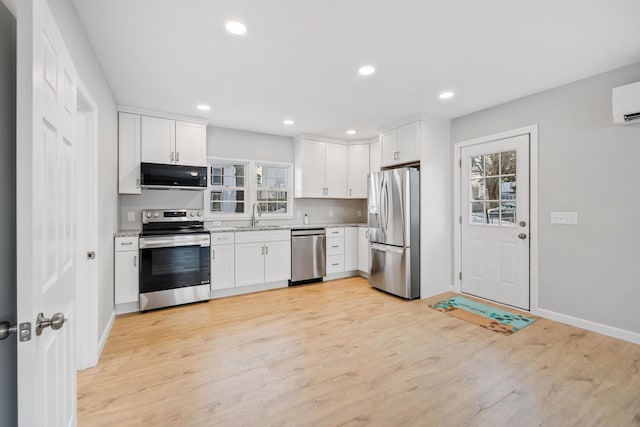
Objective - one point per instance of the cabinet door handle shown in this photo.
(177, 156)
(138, 183)
(213, 253)
(172, 156)
(266, 248)
(350, 191)
(135, 260)
(126, 243)
(336, 264)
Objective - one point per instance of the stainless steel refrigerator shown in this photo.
(394, 231)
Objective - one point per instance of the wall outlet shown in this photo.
(131, 216)
(359, 212)
(330, 214)
(565, 218)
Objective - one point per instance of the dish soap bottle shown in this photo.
(306, 219)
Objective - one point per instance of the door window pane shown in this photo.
(493, 189)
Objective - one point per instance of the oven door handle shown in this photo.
(173, 242)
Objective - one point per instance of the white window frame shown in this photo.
(247, 190)
(251, 190)
(289, 189)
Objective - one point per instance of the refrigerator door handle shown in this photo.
(386, 207)
(386, 248)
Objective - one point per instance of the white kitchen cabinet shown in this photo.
(401, 145)
(191, 144)
(277, 264)
(129, 153)
(320, 169)
(222, 261)
(173, 142)
(375, 157)
(158, 140)
(363, 249)
(126, 270)
(357, 170)
(262, 257)
(250, 266)
(335, 250)
(350, 248)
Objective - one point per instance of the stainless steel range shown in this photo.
(174, 258)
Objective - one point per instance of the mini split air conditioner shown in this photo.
(626, 104)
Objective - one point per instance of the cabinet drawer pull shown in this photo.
(126, 244)
(135, 260)
(336, 264)
(213, 253)
(177, 156)
(336, 246)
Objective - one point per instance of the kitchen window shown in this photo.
(227, 192)
(273, 192)
(235, 186)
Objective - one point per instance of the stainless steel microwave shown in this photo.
(179, 177)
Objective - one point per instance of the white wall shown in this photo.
(91, 74)
(588, 271)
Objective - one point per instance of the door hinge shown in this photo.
(460, 275)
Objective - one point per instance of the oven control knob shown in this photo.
(199, 213)
(156, 214)
(148, 214)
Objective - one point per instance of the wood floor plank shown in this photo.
(342, 353)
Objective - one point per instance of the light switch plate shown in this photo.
(359, 212)
(330, 214)
(564, 218)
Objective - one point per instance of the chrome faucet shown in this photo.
(254, 220)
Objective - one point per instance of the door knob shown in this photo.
(522, 236)
(6, 329)
(523, 223)
(56, 322)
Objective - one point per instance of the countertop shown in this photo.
(135, 233)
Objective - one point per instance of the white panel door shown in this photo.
(350, 248)
(129, 153)
(250, 265)
(309, 169)
(222, 267)
(495, 221)
(363, 249)
(158, 140)
(408, 143)
(126, 277)
(358, 168)
(277, 264)
(46, 110)
(335, 176)
(389, 147)
(191, 144)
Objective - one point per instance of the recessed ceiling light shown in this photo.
(351, 132)
(366, 70)
(204, 107)
(235, 27)
(288, 122)
(446, 95)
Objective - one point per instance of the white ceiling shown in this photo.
(299, 58)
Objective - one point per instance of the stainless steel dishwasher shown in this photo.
(308, 255)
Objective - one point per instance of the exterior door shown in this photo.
(46, 146)
(495, 221)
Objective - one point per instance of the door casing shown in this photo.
(532, 131)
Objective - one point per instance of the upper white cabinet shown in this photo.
(222, 261)
(320, 169)
(158, 140)
(357, 170)
(170, 142)
(129, 153)
(191, 144)
(401, 145)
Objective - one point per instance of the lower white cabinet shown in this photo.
(126, 270)
(222, 261)
(350, 248)
(262, 257)
(363, 249)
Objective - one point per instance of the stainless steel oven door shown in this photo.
(170, 262)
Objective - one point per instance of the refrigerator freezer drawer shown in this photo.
(393, 271)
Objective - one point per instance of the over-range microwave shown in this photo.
(174, 177)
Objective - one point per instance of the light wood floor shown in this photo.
(341, 353)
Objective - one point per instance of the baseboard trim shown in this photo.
(241, 290)
(611, 331)
(105, 335)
